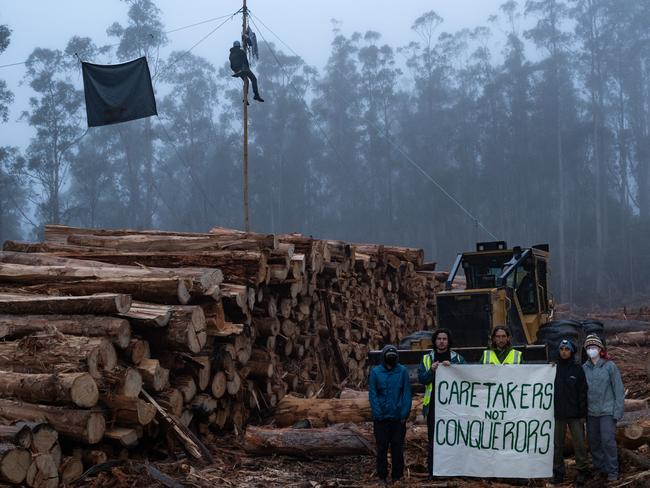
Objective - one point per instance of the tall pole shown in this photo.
(245, 105)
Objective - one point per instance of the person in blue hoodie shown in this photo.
(389, 391)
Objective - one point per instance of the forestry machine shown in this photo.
(502, 287)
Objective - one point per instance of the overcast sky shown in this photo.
(304, 25)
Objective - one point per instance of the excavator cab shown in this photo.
(502, 287)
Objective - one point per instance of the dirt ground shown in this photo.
(233, 468)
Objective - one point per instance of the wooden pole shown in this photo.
(245, 105)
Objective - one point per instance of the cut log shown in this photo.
(155, 377)
(82, 425)
(129, 411)
(58, 354)
(633, 405)
(43, 472)
(126, 436)
(218, 385)
(186, 385)
(634, 434)
(54, 389)
(138, 350)
(44, 436)
(334, 441)
(122, 381)
(100, 304)
(322, 412)
(118, 331)
(14, 463)
(70, 470)
(171, 400)
(157, 290)
(148, 314)
(18, 434)
(638, 338)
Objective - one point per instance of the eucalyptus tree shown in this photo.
(143, 35)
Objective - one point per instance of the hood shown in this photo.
(388, 348)
(572, 347)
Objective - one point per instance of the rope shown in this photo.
(398, 148)
(228, 16)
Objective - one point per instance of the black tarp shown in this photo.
(118, 92)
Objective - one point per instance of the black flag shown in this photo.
(118, 93)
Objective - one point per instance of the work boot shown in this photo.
(258, 98)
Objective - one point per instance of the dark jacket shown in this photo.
(238, 59)
(427, 376)
(570, 390)
(389, 391)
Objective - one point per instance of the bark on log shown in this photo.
(129, 411)
(171, 400)
(54, 389)
(340, 440)
(82, 425)
(638, 338)
(101, 304)
(121, 381)
(58, 354)
(321, 412)
(17, 434)
(157, 290)
(118, 331)
(155, 377)
(148, 314)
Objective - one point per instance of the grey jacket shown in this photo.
(606, 393)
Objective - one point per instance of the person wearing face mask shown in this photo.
(570, 411)
(605, 406)
(389, 392)
(440, 354)
(501, 350)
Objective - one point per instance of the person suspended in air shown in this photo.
(241, 69)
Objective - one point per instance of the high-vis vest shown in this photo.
(429, 388)
(490, 357)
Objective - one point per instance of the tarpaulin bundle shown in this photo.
(118, 93)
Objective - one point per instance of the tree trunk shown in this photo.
(58, 354)
(81, 425)
(14, 463)
(54, 389)
(17, 434)
(118, 331)
(340, 440)
(129, 411)
(321, 412)
(43, 472)
(103, 304)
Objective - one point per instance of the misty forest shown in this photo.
(532, 128)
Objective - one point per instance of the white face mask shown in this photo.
(593, 352)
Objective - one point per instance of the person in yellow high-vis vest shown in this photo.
(501, 350)
(440, 354)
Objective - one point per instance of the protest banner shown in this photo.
(494, 421)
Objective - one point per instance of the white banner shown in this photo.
(494, 421)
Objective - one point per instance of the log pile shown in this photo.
(217, 327)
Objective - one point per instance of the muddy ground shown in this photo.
(233, 468)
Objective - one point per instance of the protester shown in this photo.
(605, 406)
(239, 65)
(440, 354)
(389, 391)
(570, 411)
(501, 350)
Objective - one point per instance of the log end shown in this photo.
(84, 391)
(14, 465)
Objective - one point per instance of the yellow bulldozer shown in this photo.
(503, 286)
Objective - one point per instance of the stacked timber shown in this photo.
(212, 327)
